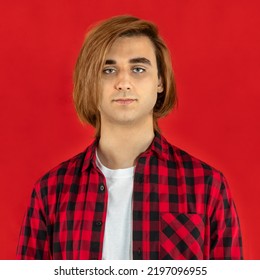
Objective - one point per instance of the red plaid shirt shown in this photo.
(182, 209)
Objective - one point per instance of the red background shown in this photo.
(215, 49)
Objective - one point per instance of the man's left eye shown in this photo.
(138, 70)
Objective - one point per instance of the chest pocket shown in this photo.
(181, 236)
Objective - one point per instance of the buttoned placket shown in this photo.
(100, 216)
(137, 213)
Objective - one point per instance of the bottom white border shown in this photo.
(13, 269)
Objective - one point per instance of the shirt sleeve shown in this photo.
(225, 233)
(33, 240)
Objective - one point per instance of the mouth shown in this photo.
(124, 101)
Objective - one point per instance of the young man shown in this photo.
(130, 194)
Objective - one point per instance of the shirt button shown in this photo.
(101, 187)
(98, 223)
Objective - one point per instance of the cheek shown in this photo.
(104, 94)
(154, 99)
(154, 93)
(151, 100)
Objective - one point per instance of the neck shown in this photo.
(120, 146)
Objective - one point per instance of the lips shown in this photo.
(124, 101)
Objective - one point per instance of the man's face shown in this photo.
(130, 82)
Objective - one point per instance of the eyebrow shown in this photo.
(142, 60)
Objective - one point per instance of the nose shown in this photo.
(123, 82)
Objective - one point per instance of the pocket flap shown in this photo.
(181, 236)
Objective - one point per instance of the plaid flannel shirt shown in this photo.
(182, 209)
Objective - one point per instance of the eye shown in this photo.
(138, 69)
(109, 71)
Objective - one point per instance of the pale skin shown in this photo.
(130, 84)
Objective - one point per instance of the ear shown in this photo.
(160, 85)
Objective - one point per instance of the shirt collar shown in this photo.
(90, 154)
(159, 148)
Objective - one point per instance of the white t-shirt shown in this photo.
(118, 227)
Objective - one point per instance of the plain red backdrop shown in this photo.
(215, 49)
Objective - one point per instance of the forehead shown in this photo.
(130, 47)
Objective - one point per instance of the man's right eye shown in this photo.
(109, 70)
